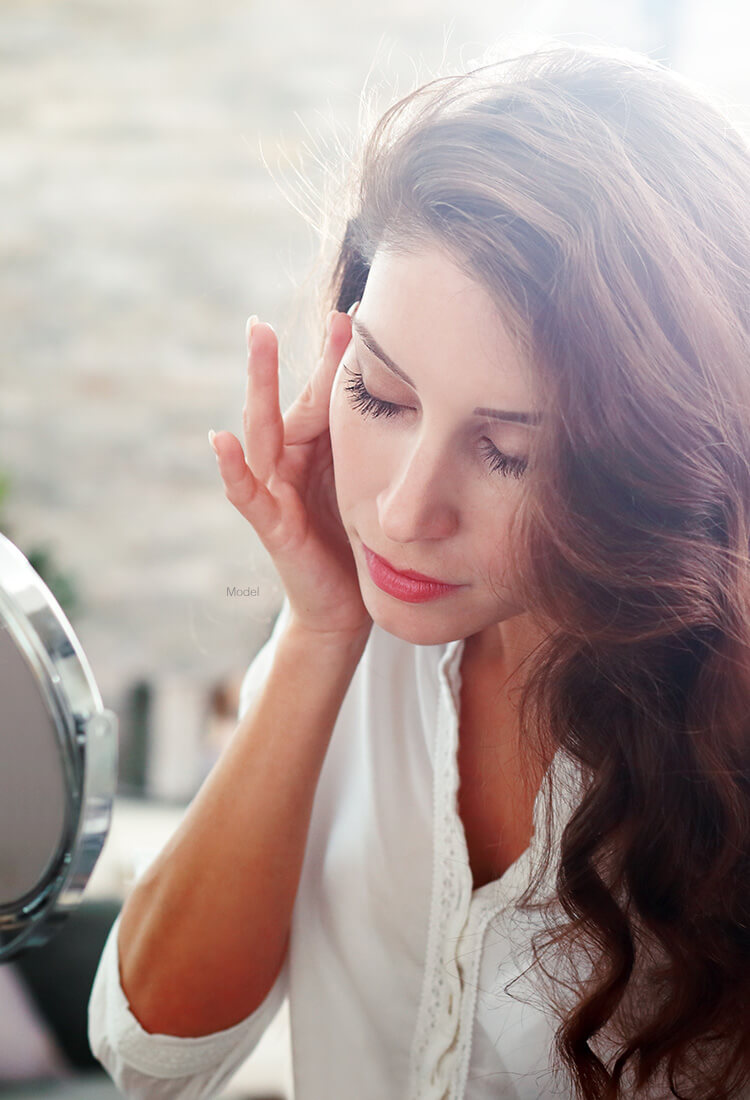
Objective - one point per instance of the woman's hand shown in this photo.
(283, 485)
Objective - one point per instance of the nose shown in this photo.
(420, 501)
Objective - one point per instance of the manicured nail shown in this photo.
(252, 320)
(329, 320)
(353, 307)
(211, 435)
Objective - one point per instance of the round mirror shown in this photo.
(58, 761)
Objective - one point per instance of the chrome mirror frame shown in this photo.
(53, 821)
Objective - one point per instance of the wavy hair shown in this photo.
(602, 201)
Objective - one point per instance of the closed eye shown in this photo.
(361, 399)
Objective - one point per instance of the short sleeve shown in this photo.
(152, 1066)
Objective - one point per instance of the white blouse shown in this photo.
(396, 968)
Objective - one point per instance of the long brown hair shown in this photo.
(602, 200)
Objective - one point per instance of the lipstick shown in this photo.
(410, 587)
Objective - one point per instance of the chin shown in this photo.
(423, 630)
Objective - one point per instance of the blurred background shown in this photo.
(162, 169)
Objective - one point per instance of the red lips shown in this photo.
(409, 572)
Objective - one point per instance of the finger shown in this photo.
(249, 496)
(307, 416)
(262, 423)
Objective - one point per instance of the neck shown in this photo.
(502, 647)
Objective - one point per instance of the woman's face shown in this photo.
(430, 485)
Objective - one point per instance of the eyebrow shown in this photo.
(496, 414)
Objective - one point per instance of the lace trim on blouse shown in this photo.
(441, 1049)
(440, 1041)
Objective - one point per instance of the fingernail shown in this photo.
(211, 434)
(329, 320)
(353, 307)
(252, 320)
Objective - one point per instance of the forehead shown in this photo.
(438, 324)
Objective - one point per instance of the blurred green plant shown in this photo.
(42, 559)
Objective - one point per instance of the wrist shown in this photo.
(330, 640)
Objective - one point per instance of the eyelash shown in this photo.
(361, 399)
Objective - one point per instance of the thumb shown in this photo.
(307, 416)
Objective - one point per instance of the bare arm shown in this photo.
(204, 932)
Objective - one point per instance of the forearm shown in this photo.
(204, 932)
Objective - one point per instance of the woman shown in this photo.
(539, 399)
